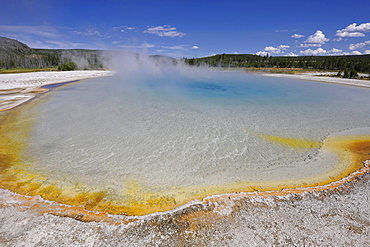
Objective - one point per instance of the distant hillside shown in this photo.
(11, 45)
(14, 54)
(361, 63)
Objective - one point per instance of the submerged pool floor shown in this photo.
(138, 145)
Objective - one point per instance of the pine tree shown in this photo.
(346, 73)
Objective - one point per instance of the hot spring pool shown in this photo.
(141, 144)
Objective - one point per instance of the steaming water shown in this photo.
(186, 130)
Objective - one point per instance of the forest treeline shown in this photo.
(360, 63)
(14, 54)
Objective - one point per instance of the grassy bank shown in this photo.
(21, 70)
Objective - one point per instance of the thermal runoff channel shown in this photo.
(154, 137)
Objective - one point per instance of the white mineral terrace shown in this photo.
(16, 89)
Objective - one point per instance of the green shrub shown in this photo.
(353, 74)
(346, 73)
(67, 66)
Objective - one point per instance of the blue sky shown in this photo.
(192, 28)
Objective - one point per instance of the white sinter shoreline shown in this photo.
(315, 76)
(16, 89)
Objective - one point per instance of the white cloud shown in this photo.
(272, 49)
(164, 31)
(262, 53)
(175, 47)
(88, 33)
(283, 31)
(64, 44)
(180, 47)
(125, 28)
(317, 38)
(367, 51)
(122, 28)
(353, 30)
(41, 31)
(309, 45)
(349, 34)
(332, 52)
(283, 47)
(335, 50)
(297, 36)
(318, 51)
(338, 39)
(41, 37)
(268, 50)
(364, 27)
(147, 45)
(359, 45)
(142, 46)
(348, 53)
(291, 54)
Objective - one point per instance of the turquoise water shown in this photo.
(188, 129)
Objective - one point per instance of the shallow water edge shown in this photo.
(351, 151)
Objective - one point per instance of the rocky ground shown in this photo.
(338, 217)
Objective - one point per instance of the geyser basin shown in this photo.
(139, 144)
